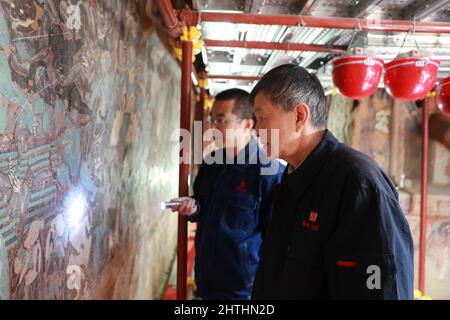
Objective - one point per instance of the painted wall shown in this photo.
(390, 132)
(87, 106)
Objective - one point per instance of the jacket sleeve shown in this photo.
(370, 255)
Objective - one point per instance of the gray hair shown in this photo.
(288, 85)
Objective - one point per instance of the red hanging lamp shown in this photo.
(357, 77)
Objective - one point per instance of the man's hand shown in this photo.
(186, 208)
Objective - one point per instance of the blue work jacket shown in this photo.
(234, 209)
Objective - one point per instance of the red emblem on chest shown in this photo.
(242, 187)
(312, 221)
(313, 217)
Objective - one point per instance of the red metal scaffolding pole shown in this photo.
(174, 29)
(275, 46)
(192, 18)
(423, 200)
(185, 123)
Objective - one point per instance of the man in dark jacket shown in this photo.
(337, 229)
(231, 202)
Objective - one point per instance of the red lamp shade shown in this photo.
(357, 77)
(443, 96)
(410, 78)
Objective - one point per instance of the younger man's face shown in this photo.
(223, 119)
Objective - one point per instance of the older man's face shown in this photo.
(275, 124)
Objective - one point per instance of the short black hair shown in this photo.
(288, 85)
(242, 106)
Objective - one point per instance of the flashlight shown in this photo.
(169, 204)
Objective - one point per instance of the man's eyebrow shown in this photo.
(220, 115)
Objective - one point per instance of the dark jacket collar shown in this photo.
(299, 180)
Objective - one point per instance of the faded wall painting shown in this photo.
(87, 106)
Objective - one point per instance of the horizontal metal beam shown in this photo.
(275, 46)
(192, 18)
(248, 78)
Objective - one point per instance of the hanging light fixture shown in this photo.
(357, 76)
(411, 75)
(410, 78)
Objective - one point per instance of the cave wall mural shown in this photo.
(85, 102)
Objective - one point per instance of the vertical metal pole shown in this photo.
(185, 123)
(424, 193)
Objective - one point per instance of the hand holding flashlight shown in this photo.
(185, 206)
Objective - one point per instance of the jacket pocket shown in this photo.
(239, 219)
(366, 277)
(302, 277)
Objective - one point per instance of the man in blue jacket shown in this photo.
(231, 202)
(337, 229)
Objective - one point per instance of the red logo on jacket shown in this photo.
(313, 216)
(242, 187)
(312, 221)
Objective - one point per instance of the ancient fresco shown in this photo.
(85, 104)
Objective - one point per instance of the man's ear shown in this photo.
(302, 115)
(249, 123)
